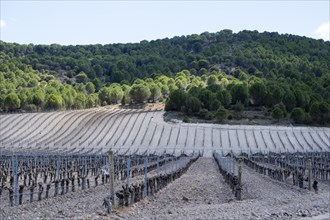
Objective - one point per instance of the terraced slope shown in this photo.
(99, 129)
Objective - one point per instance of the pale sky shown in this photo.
(104, 22)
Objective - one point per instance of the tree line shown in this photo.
(202, 75)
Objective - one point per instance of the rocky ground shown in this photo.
(202, 194)
(199, 194)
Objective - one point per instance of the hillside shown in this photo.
(260, 70)
(264, 54)
(98, 129)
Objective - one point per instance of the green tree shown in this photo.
(104, 95)
(12, 102)
(215, 104)
(123, 100)
(126, 89)
(32, 83)
(298, 114)
(242, 76)
(155, 92)
(207, 99)
(115, 94)
(193, 105)
(81, 78)
(24, 99)
(90, 88)
(325, 112)
(176, 100)
(97, 83)
(212, 80)
(194, 91)
(302, 98)
(37, 98)
(277, 94)
(68, 96)
(240, 93)
(203, 64)
(80, 87)
(258, 93)
(54, 101)
(227, 98)
(2, 101)
(202, 71)
(92, 100)
(139, 93)
(214, 88)
(320, 112)
(172, 87)
(282, 107)
(98, 70)
(165, 90)
(181, 83)
(315, 112)
(277, 113)
(289, 100)
(80, 101)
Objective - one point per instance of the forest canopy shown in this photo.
(193, 74)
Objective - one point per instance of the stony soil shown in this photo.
(209, 198)
(199, 194)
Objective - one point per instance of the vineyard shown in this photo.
(136, 130)
(63, 159)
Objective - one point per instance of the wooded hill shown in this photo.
(211, 71)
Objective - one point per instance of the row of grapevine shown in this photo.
(103, 128)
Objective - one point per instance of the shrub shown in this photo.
(221, 114)
(203, 112)
(186, 119)
(209, 116)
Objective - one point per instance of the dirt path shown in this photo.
(193, 196)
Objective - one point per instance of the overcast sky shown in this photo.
(91, 22)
